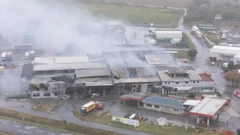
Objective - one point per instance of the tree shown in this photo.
(231, 65)
(238, 131)
(192, 53)
(233, 76)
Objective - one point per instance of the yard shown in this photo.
(136, 15)
(144, 126)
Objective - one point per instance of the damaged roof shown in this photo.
(27, 71)
(52, 67)
(92, 72)
(156, 59)
(176, 70)
(137, 80)
(95, 81)
(60, 60)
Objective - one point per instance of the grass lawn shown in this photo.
(63, 125)
(44, 107)
(134, 14)
(144, 126)
(182, 54)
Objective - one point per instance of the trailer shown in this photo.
(167, 35)
(88, 107)
(17, 96)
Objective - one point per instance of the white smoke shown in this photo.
(60, 23)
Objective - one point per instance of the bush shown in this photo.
(219, 94)
(191, 95)
(238, 131)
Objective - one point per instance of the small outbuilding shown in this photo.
(163, 104)
(134, 97)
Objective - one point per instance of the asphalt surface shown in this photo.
(21, 129)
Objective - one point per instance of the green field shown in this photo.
(136, 15)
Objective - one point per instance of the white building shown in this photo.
(225, 53)
(179, 80)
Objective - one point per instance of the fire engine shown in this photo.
(237, 93)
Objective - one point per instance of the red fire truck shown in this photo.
(237, 93)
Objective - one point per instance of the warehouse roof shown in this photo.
(95, 81)
(162, 101)
(137, 96)
(38, 80)
(60, 60)
(208, 107)
(166, 78)
(93, 72)
(176, 70)
(137, 80)
(225, 49)
(156, 59)
(194, 76)
(52, 67)
(27, 71)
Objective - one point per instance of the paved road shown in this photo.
(21, 129)
(62, 114)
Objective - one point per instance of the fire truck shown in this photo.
(237, 93)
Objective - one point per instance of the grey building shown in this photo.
(163, 104)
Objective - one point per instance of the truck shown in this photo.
(90, 106)
(6, 56)
(17, 96)
(29, 55)
(237, 93)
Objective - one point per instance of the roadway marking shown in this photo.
(5, 123)
(24, 131)
(39, 131)
(16, 126)
(51, 133)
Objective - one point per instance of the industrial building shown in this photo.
(168, 35)
(184, 80)
(124, 72)
(225, 53)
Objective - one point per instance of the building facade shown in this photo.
(163, 104)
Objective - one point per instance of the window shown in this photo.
(177, 82)
(168, 82)
(36, 94)
(193, 81)
(174, 109)
(197, 81)
(165, 82)
(148, 105)
(186, 82)
(156, 106)
(55, 94)
(46, 94)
